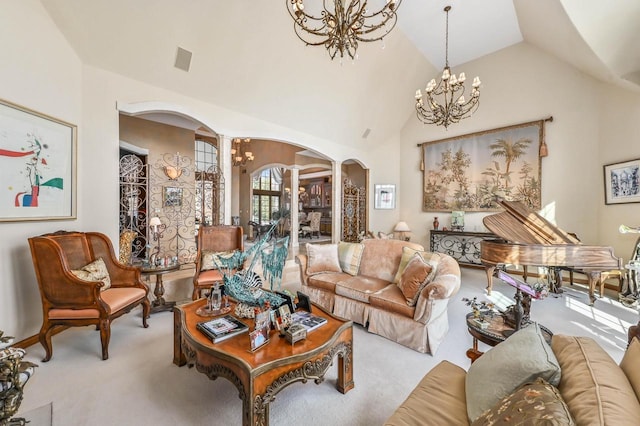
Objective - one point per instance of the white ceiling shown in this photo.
(247, 58)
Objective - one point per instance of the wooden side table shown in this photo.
(493, 334)
(159, 304)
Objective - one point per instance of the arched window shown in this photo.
(267, 192)
(209, 184)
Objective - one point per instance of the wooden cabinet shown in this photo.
(318, 195)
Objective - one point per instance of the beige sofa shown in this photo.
(595, 391)
(370, 297)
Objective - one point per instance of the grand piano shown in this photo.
(528, 239)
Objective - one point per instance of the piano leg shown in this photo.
(595, 278)
(554, 278)
(489, 269)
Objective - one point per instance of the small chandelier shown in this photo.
(453, 107)
(241, 151)
(341, 26)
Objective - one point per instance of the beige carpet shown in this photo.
(139, 385)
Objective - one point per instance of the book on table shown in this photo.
(308, 320)
(222, 328)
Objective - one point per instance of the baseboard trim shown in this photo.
(32, 340)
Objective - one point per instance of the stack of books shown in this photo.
(308, 320)
(222, 328)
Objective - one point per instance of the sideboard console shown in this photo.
(461, 245)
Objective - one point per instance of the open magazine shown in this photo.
(308, 320)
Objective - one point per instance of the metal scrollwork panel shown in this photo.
(133, 202)
(463, 248)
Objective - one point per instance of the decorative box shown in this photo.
(295, 332)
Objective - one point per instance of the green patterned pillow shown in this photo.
(349, 256)
(208, 256)
(94, 271)
(537, 403)
(407, 254)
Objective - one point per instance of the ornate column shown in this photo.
(294, 216)
(336, 203)
(226, 167)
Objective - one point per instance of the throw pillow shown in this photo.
(94, 271)
(415, 278)
(536, 403)
(209, 259)
(522, 358)
(407, 253)
(629, 365)
(322, 258)
(349, 256)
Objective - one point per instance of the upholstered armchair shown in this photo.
(217, 240)
(82, 283)
(314, 225)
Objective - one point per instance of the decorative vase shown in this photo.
(436, 224)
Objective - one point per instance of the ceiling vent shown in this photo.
(366, 133)
(183, 59)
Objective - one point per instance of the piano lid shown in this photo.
(519, 224)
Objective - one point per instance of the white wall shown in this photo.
(37, 70)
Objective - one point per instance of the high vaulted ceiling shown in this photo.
(247, 58)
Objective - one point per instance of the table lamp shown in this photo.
(402, 228)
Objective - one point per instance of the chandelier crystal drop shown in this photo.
(339, 25)
(452, 107)
(241, 152)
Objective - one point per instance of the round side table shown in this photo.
(159, 304)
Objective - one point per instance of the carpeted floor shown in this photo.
(139, 385)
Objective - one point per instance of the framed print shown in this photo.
(385, 197)
(37, 165)
(172, 196)
(622, 182)
(468, 172)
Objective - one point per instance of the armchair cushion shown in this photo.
(502, 370)
(408, 253)
(94, 271)
(349, 256)
(415, 277)
(322, 258)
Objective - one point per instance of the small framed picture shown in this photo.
(172, 196)
(263, 319)
(622, 182)
(259, 337)
(385, 197)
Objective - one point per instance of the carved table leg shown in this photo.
(345, 368)
(594, 279)
(159, 304)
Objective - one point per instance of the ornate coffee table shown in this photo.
(260, 375)
(493, 334)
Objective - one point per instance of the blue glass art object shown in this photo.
(245, 286)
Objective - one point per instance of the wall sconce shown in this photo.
(403, 229)
(174, 172)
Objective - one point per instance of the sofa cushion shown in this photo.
(94, 271)
(391, 299)
(381, 257)
(210, 259)
(350, 256)
(629, 365)
(595, 389)
(322, 258)
(536, 403)
(408, 253)
(520, 359)
(415, 277)
(360, 287)
(327, 281)
(439, 399)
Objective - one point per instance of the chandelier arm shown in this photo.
(377, 28)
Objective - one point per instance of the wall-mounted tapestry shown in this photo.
(468, 172)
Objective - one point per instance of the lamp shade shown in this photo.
(155, 221)
(402, 227)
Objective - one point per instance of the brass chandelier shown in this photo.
(341, 24)
(241, 152)
(453, 107)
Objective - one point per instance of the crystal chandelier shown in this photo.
(241, 151)
(341, 24)
(453, 107)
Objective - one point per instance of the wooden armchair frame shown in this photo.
(217, 238)
(70, 301)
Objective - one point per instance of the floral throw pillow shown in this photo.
(537, 403)
(94, 271)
